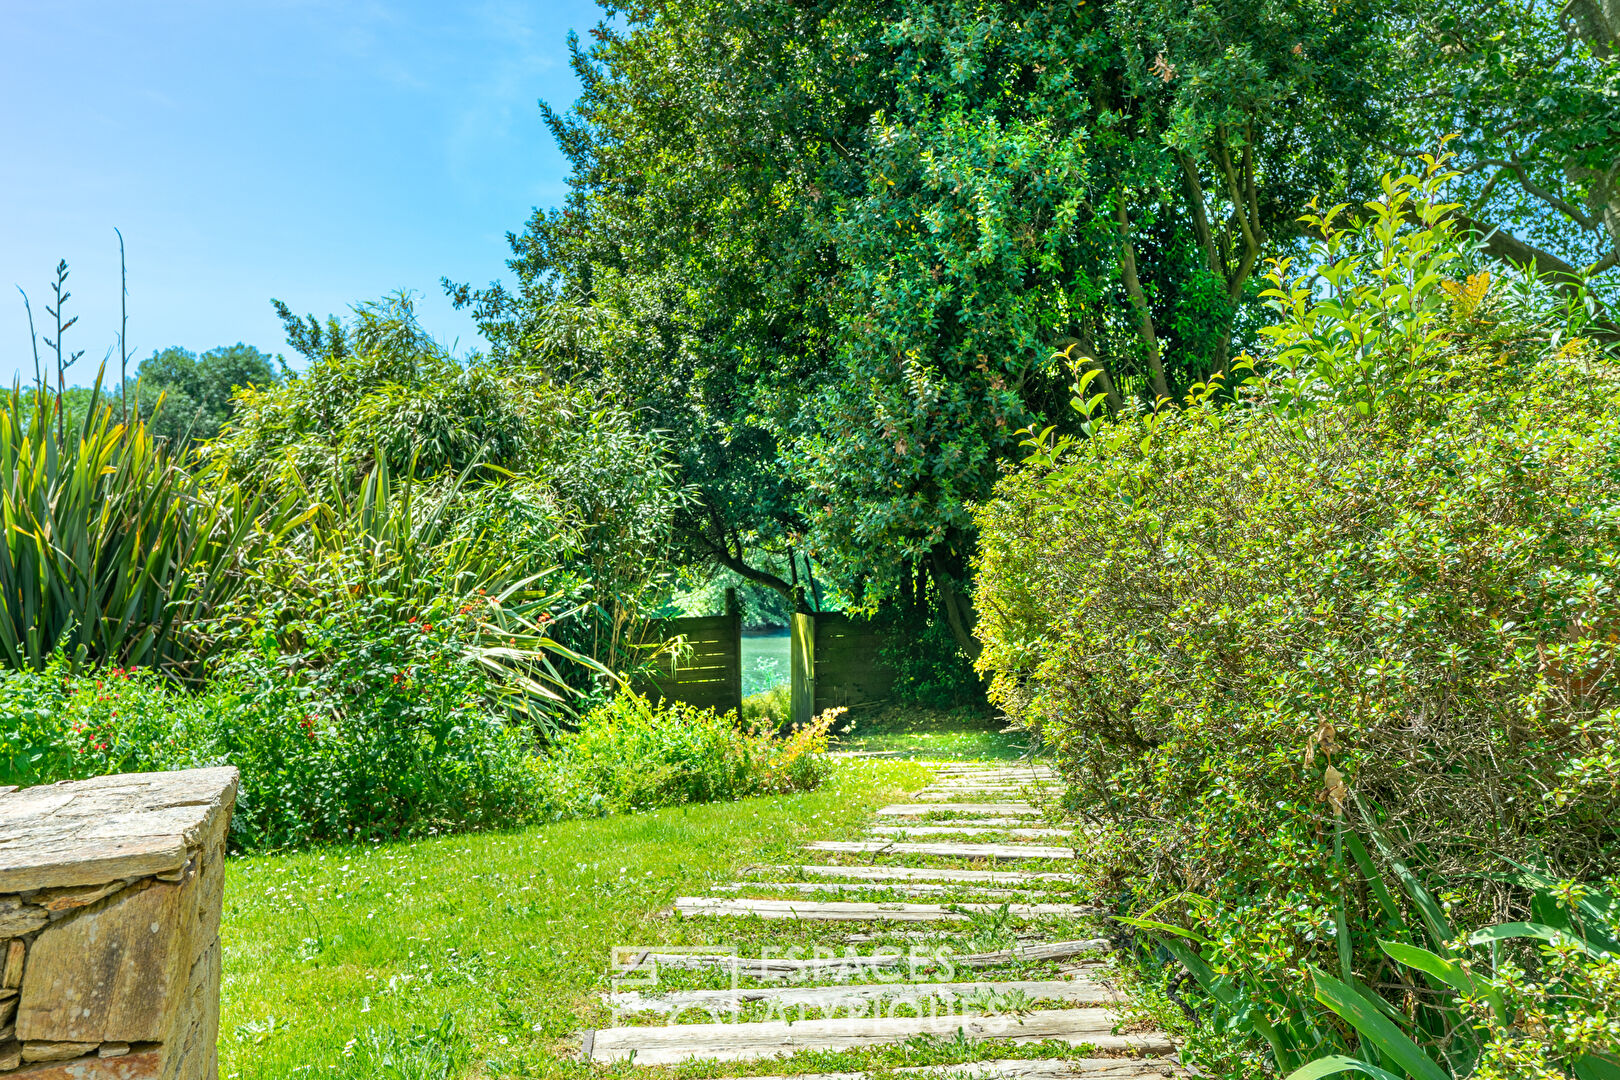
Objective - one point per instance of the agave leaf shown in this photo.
(1163, 928)
(1593, 1067)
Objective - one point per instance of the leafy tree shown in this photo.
(379, 384)
(187, 398)
(833, 247)
(1529, 93)
(570, 489)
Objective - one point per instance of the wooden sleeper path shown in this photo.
(738, 1042)
(923, 809)
(915, 873)
(920, 889)
(969, 851)
(841, 997)
(781, 967)
(969, 1010)
(1021, 1069)
(864, 910)
(970, 829)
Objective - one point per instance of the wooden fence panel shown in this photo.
(846, 666)
(708, 672)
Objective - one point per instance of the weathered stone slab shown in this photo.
(89, 832)
(141, 1065)
(11, 971)
(74, 896)
(49, 1050)
(107, 972)
(19, 919)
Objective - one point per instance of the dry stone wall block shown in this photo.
(110, 898)
(142, 1065)
(107, 972)
(11, 975)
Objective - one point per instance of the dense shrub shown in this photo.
(375, 728)
(631, 754)
(351, 726)
(1377, 585)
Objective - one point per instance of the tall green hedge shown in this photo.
(1381, 581)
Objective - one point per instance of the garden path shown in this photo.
(1001, 951)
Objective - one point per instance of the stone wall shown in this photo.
(110, 894)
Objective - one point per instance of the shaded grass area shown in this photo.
(507, 934)
(960, 734)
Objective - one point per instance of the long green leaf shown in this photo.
(1376, 1028)
(1338, 1063)
(1550, 934)
(1449, 972)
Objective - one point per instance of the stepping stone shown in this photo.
(777, 967)
(1037, 1069)
(968, 830)
(918, 873)
(854, 886)
(665, 1045)
(862, 910)
(966, 851)
(844, 997)
(921, 809)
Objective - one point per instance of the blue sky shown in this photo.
(317, 151)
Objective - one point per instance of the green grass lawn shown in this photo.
(957, 735)
(507, 934)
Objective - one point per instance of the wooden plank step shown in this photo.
(903, 889)
(916, 873)
(921, 809)
(965, 822)
(668, 1045)
(1017, 833)
(933, 795)
(1027, 1069)
(777, 967)
(993, 774)
(862, 910)
(966, 851)
(843, 997)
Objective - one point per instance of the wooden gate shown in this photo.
(834, 663)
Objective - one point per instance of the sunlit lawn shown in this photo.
(506, 933)
(927, 733)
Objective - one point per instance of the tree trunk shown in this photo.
(954, 599)
(1133, 288)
